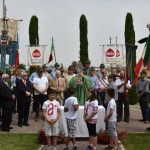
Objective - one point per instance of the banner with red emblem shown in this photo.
(113, 54)
(36, 55)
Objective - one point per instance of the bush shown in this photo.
(102, 136)
(42, 138)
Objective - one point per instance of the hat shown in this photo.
(56, 65)
(44, 66)
(143, 72)
(111, 76)
(102, 66)
(88, 61)
(70, 68)
(39, 69)
(92, 69)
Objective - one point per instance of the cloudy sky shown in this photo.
(60, 19)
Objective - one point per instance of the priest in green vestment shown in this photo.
(80, 83)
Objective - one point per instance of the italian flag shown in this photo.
(52, 54)
(144, 62)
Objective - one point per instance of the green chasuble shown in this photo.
(80, 85)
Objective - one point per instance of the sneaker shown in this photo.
(66, 148)
(54, 148)
(75, 148)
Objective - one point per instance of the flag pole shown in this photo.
(54, 50)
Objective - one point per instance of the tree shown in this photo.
(130, 39)
(83, 40)
(33, 31)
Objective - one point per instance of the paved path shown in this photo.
(133, 126)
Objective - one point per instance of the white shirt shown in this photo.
(119, 82)
(41, 83)
(69, 103)
(103, 82)
(51, 108)
(112, 105)
(90, 107)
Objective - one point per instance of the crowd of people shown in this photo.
(77, 86)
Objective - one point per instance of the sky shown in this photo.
(60, 19)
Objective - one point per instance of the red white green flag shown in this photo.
(52, 54)
(144, 62)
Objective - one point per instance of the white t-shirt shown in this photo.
(40, 83)
(91, 107)
(119, 82)
(69, 103)
(112, 105)
(51, 108)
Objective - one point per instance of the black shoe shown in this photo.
(148, 128)
(5, 129)
(20, 125)
(118, 120)
(10, 127)
(141, 120)
(26, 124)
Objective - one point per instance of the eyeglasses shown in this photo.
(7, 78)
(103, 72)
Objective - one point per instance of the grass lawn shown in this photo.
(18, 141)
(137, 141)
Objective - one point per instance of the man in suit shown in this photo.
(7, 103)
(24, 99)
(59, 85)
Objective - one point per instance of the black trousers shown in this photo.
(23, 111)
(123, 100)
(144, 106)
(6, 117)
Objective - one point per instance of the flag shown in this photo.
(144, 60)
(17, 55)
(52, 54)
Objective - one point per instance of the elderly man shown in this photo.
(68, 77)
(103, 82)
(142, 94)
(123, 97)
(7, 98)
(40, 85)
(58, 84)
(24, 99)
(87, 67)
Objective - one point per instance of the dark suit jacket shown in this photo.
(6, 95)
(21, 90)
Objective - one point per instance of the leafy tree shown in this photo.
(130, 39)
(83, 40)
(33, 31)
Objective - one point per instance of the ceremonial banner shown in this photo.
(119, 54)
(113, 54)
(109, 54)
(36, 55)
(11, 26)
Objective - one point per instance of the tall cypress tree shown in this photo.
(130, 39)
(83, 40)
(33, 31)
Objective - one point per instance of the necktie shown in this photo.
(58, 85)
(25, 82)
